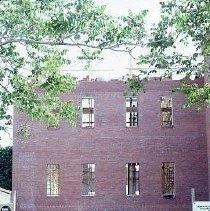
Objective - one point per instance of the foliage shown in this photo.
(35, 39)
(135, 85)
(6, 168)
(183, 23)
(196, 96)
(37, 36)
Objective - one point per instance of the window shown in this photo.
(131, 111)
(168, 179)
(88, 112)
(132, 186)
(166, 112)
(53, 174)
(88, 178)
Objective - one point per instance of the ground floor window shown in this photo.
(132, 186)
(167, 175)
(88, 179)
(53, 183)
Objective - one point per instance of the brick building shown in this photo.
(141, 153)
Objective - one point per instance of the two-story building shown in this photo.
(126, 153)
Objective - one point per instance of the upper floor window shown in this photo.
(131, 111)
(88, 179)
(168, 189)
(53, 183)
(166, 112)
(88, 112)
(132, 186)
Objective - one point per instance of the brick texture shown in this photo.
(110, 145)
(207, 80)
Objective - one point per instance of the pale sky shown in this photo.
(114, 64)
(120, 7)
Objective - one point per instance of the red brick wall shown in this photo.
(110, 145)
(207, 80)
(208, 139)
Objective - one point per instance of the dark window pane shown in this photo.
(132, 187)
(88, 178)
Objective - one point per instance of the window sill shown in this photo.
(53, 127)
(169, 126)
(88, 195)
(132, 195)
(132, 126)
(52, 196)
(87, 127)
(168, 196)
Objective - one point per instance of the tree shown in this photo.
(6, 168)
(35, 37)
(183, 23)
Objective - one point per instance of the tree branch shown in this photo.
(4, 87)
(63, 43)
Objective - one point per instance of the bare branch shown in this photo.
(4, 87)
(63, 43)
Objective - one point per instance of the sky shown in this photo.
(121, 7)
(114, 64)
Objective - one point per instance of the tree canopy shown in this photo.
(37, 35)
(183, 23)
(35, 38)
